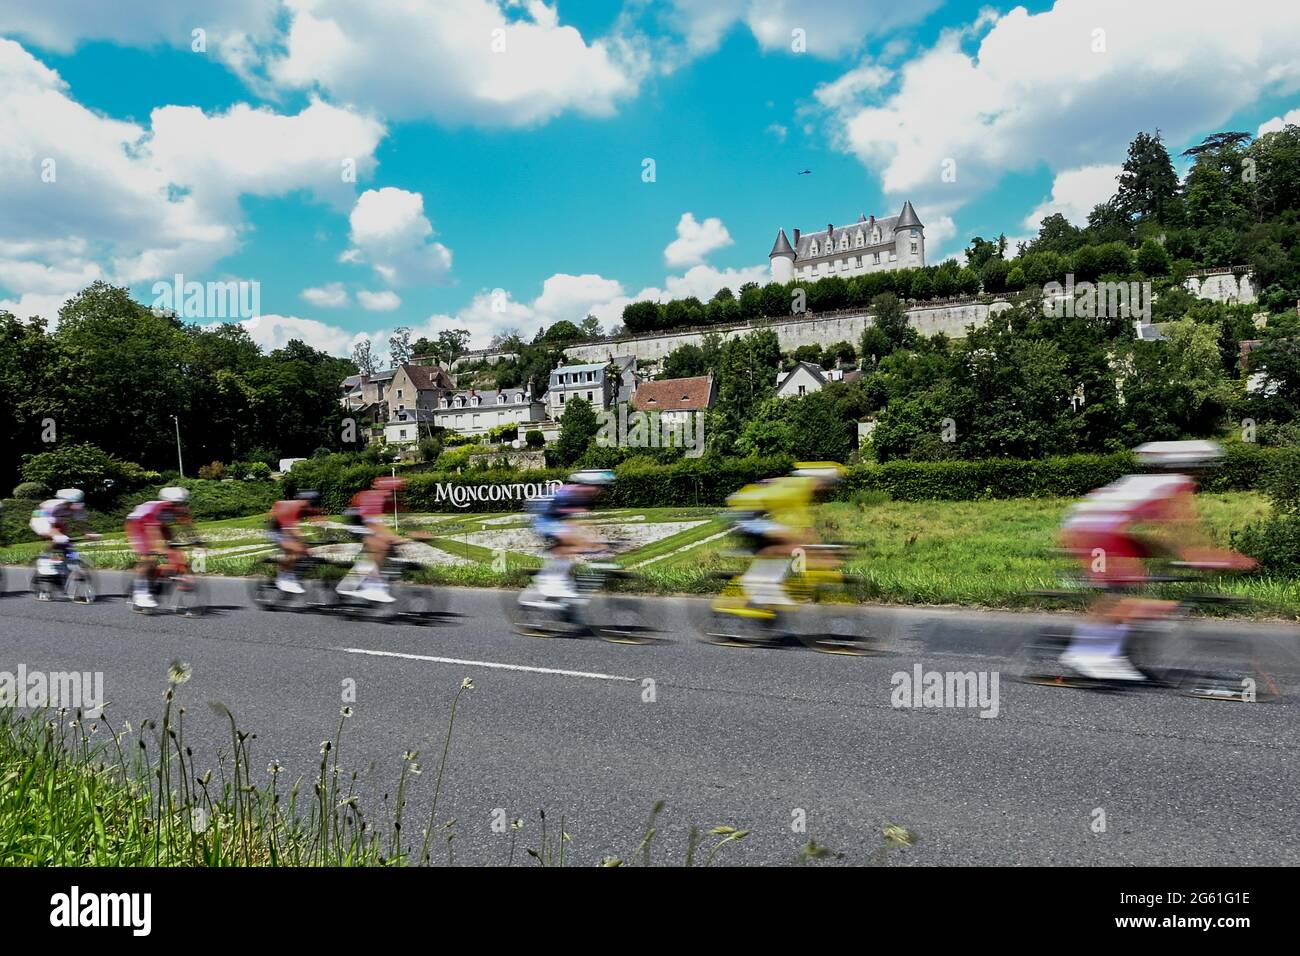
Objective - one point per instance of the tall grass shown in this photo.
(76, 791)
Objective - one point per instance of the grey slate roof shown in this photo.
(513, 396)
(904, 220)
(782, 246)
(907, 217)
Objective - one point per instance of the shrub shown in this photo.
(213, 472)
(31, 491)
(259, 471)
(534, 439)
(430, 449)
(100, 475)
(239, 470)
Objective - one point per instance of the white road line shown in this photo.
(493, 664)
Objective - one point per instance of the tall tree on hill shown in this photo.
(1148, 185)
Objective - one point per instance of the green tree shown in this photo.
(1148, 185)
(578, 428)
(1152, 260)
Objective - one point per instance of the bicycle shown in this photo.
(823, 617)
(412, 602)
(264, 593)
(176, 588)
(69, 574)
(599, 609)
(1163, 649)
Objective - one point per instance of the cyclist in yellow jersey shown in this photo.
(775, 518)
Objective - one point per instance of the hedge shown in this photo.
(707, 481)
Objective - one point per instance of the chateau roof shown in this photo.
(907, 217)
(782, 246)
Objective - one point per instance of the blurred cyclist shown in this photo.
(286, 531)
(774, 519)
(151, 529)
(367, 512)
(1115, 529)
(62, 519)
(563, 537)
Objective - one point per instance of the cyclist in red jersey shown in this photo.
(150, 530)
(286, 531)
(368, 510)
(1111, 533)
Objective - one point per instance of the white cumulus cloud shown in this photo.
(1063, 88)
(390, 231)
(331, 296)
(1074, 194)
(695, 240)
(455, 61)
(1278, 123)
(379, 301)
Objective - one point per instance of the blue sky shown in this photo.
(501, 187)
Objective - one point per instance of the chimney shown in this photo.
(871, 223)
(830, 231)
(796, 244)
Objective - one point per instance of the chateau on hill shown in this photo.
(868, 245)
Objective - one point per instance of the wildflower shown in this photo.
(178, 672)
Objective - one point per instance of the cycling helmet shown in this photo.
(595, 476)
(70, 495)
(1179, 454)
(389, 484)
(175, 494)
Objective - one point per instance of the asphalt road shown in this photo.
(758, 739)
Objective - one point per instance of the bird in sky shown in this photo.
(804, 172)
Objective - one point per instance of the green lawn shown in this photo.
(981, 553)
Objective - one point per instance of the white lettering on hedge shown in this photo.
(461, 496)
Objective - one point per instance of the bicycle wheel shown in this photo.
(1224, 668)
(189, 596)
(532, 615)
(80, 586)
(261, 586)
(832, 629)
(40, 586)
(1039, 658)
(622, 619)
(423, 603)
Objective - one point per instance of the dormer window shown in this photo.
(875, 235)
(858, 241)
(844, 241)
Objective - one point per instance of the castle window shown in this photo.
(844, 241)
(858, 241)
(875, 235)
(812, 248)
(914, 247)
(876, 260)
